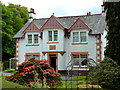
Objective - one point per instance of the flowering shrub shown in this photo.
(32, 71)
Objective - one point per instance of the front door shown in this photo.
(53, 61)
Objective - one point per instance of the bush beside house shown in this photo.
(106, 74)
(36, 73)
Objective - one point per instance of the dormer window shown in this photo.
(53, 35)
(29, 39)
(83, 37)
(33, 39)
(79, 37)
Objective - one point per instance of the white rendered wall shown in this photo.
(104, 41)
(59, 46)
(28, 49)
(65, 44)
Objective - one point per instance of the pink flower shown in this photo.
(33, 57)
(53, 75)
(46, 73)
(53, 81)
(32, 82)
(41, 63)
(29, 79)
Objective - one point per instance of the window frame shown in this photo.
(37, 38)
(79, 36)
(32, 55)
(53, 36)
(29, 38)
(33, 39)
(80, 62)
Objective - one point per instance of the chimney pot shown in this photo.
(89, 13)
(31, 10)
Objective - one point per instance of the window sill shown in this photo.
(79, 43)
(80, 67)
(52, 42)
(32, 45)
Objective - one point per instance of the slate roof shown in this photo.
(95, 22)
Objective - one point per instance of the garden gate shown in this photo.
(73, 75)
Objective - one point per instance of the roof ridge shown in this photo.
(69, 16)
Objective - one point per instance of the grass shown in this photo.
(8, 84)
(8, 70)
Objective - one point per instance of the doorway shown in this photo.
(53, 61)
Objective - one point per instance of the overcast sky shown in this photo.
(45, 8)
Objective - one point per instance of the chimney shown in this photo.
(103, 6)
(31, 14)
(88, 13)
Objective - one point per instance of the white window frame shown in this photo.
(85, 36)
(79, 37)
(28, 38)
(32, 56)
(33, 41)
(53, 36)
(37, 38)
(80, 62)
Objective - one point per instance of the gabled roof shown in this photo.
(31, 28)
(52, 22)
(79, 24)
(96, 22)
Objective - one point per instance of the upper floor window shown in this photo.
(35, 38)
(75, 36)
(53, 35)
(32, 38)
(80, 60)
(79, 37)
(29, 39)
(82, 36)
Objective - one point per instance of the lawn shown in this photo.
(8, 84)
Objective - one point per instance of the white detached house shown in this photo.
(63, 40)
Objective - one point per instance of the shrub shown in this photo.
(36, 73)
(106, 74)
(5, 65)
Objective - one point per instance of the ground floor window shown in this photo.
(79, 60)
(30, 55)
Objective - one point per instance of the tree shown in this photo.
(13, 19)
(113, 36)
(106, 74)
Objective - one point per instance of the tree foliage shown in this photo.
(106, 74)
(113, 36)
(13, 19)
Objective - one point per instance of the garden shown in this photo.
(38, 74)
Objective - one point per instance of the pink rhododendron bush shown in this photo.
(36, 74)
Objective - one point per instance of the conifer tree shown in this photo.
(113, 36)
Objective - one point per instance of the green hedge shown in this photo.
(106, 74)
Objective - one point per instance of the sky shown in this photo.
(45, 8)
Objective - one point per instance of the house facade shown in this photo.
(63, 41)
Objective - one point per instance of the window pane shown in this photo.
(50, 35)
(76, 59)
(55, 35)
(82, 36)
(83, 59)
(28, 56)
(75, 36)
(36, 38)
(29, 38)
(36, 57)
